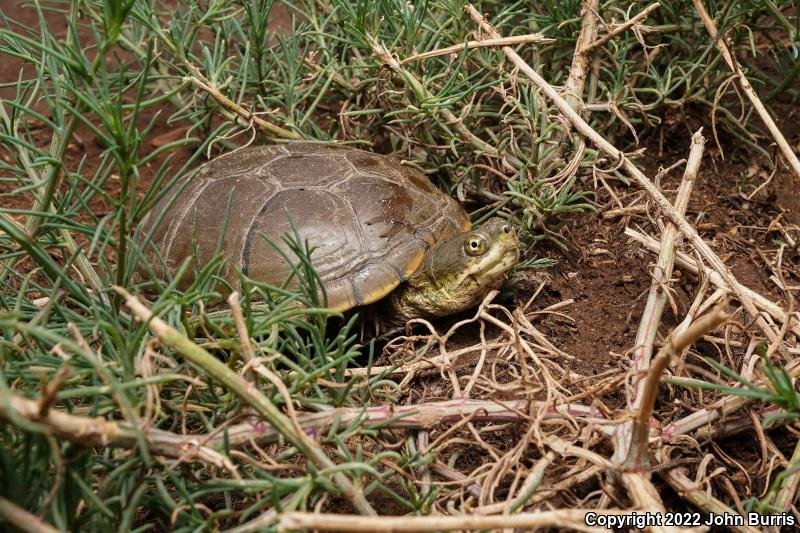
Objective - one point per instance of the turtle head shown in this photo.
(457, 272)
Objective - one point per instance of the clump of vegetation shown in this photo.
(129, 412)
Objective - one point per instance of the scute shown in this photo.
(369, 218)
(320, 217)
(309, 170)
(157, 229)
(387, 211)
(214, 219)
(243, 162)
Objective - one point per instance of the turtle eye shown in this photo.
(475, 245)
(506, 228)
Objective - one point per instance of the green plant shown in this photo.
(778, 391)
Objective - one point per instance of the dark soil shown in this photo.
(608, 275)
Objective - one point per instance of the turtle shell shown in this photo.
(369, 218)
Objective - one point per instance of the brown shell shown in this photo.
(369, 217)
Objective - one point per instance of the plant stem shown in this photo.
(247, 392)
(637, 454)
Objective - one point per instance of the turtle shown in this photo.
(379, 229)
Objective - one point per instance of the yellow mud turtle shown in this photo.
(379, 228)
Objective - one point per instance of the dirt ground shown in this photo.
(608, 275)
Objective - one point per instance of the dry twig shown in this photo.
(389, 60)
(22, 519)
(637, 455)
(249, 393)
(572, 519)
(537, 38)
(717, 410)
(241, 328)
(700, 498)
(97, 431)
(657, 297)
(576, 80)
(200, 81)
(786, 150)
(636, 19)
(420, 416)
(686, 262)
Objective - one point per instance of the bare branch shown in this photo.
(537, 38)
(622, 27)
(787, 151)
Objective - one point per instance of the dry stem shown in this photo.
(788, 491)
(576, 80)
(645, 496)
(720, 408)
(621, 28)
(50, 390)
(97, 431)
(571, 519)
(248, 116)
(698, 497)
(381, 52)
(573, 87)
(637, 456)
(787, 151)
(547, 492)
(22, 519)
(241, 328)
(657, 298)
(686, 262)
(537, 38)
(420, 416)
